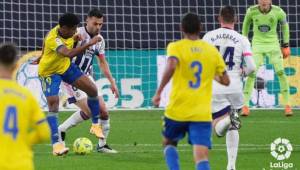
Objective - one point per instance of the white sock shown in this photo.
(232, 142)
(72, 121)
(105, 128)
(222, 126)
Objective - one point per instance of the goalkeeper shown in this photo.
(265, 43)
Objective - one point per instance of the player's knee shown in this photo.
(232, 128)
(104, 115)
(53, 104)
(169, 142)
(201, 153)
(93, 91)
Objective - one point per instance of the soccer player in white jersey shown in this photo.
(228, 100)
(84, 61)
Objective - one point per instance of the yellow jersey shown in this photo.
(19, 116)
(191, 93)
(52, 62)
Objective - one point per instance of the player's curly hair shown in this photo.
(95, 13)
(69, 20)
(8, 54)
(190, 23)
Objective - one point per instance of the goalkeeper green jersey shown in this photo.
(265, 25)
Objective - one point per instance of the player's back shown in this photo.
(233, 46)
(16, 117)
(198, 63)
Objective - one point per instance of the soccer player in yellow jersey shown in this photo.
(55, 66)
(192, 64)
(22, 122)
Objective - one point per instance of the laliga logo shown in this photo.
(281, 149)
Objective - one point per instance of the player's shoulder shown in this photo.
(210, 33)
(13, 87)
(102, 39)
(208, 47)
(277, 9)
(53, 32)
(253, 8)
(52, 35)
(173, 44)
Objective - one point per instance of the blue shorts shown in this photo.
(221, 112)
(199, 132)
(51, 84)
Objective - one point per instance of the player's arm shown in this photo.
(250, 65)
(167, 75)
(223, 79)
(247, 56)
(221, 74)
(246, 23)
(40, 131)
(62, 49)
(286, 52)
(106, 71)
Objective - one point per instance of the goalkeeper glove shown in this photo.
(285, 50)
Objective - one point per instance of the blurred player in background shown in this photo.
(265, 17)
(192, 64)
(55, 66)
(22, 122)
(84, 60)
(228, 101)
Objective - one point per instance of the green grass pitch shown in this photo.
(137, 137)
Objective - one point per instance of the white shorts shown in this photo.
(221, 101)
(74, 94)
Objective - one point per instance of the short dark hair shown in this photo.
(95, 13)
(69, 20)
(8, 54)
(191, 23)
(228, 14)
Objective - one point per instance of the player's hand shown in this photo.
(242, 72)
(78, 37)
(36, 61)
(156, 100)
(94, 40)
(115, 90)
(286, 51)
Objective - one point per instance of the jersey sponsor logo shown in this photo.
(58, 41)
(264, 28)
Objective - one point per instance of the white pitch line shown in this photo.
(274, 121)
(180, 145)
(161, 150)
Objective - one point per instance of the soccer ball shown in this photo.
(82, 146)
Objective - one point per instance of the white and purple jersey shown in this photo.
(85, 59)
(235, 49)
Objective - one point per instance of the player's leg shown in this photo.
(173, 132)
(200, 138)
(50, 86)
(75, 77)
(276, 59)
(232, 135)
(84, 114)
(105, 124)
(220, 109)
(232, 144)
(249, 85)
(76, 118)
